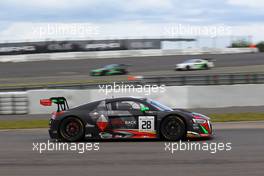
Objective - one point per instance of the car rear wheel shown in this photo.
(173, 128)
(103, 73)
(124, 72)
(71, 129)
(205, 66)
(188, 67)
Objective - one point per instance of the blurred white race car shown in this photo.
(195, 64)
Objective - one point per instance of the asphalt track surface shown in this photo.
(142, 64)
(121, 158)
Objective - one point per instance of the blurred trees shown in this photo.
(245, 43)
(240, 44)
(260, 46)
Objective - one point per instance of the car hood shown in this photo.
(184, 111)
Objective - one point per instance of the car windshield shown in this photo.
(111, 66)
(158, 105)
(190, 61)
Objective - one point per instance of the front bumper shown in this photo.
(200, 130)
(179, 67)
(93, 73)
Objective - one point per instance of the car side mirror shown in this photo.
(144, 108)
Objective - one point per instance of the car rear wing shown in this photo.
(62, 104)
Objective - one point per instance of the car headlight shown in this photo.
(200, 121)
(199, 118)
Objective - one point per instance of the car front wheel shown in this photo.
(124, 72)
(173, 128)
(206, 67)
(103, 73)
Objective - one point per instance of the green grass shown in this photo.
(27, 124)
(23, 124)
(78, 82)
(237, 117)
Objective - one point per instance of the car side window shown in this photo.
(109, 106)
(124, 105)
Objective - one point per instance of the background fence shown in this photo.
(122, 54)
(214, 79)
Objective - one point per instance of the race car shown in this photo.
(124, 118)
(113, 69)
(195, 64)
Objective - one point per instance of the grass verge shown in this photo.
(26, 124)
(237, 117)
(23, 124)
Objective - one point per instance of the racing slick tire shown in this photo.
(124, 72)
(173, 129)
(103, 73)
(188, 68)
(71, 129)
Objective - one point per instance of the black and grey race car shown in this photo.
(126, 117)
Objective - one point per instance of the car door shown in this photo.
(114, 69)
(197, 64)
(128, 121)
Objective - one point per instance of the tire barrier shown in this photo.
(13, 103)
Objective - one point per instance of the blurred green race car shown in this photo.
(113, 69)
